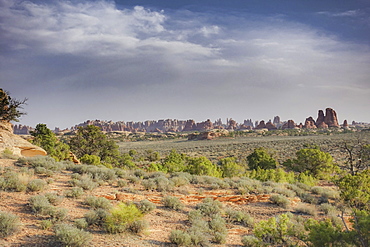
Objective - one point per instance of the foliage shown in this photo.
(45, 138)
(145, 206)
(230, 168)
(10, 107)
(174, 162)
(240, 217)
(120, 217)
(75, 192)
(316, 162)
(98, 202)
(172, 202)
(209, 207)
(36, 185)
(12, 181)
(90, 159)
(355, 189)
(71, 236)
(9, 224)
(260, 158)
(202, 166)
(92, 141)
(280, 200)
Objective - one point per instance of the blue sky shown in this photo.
(148, 60)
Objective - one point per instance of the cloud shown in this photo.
(348, 13)
(171, 63)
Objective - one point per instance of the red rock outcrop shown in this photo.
(207, 125)
(289, 125)
(271, 126)
(345, 124)
(331, 118)
(261, 125)
(190, 125)
(310, 123)
(320, 119)
(232, 124)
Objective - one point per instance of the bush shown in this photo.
(36, 185)
(9, 224)
(209, 207)
(172, 202)
(12, 181)
(328, 208)
(40, 205)
(46, 224)
(218, 230)
(260, 158)
(120, 217)
(69, 235)
(74, 192)
(250, 241)
(121, 183)
(137, 226)
(280, 200)
(81, 223)
(54, 199)
(235, 216)
(96, 217)
(180, 238)
(304, 209)
(90, 159)
(202, 166)
(98, 202)
(145, 206)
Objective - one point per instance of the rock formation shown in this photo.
(16, 144)
(276, 121)
(328, 120)
(270, 126)
(310, 123)
(331, 118)
(345, 124)
(232, 124)
(261, 125)
(208, 135)
(289, 125)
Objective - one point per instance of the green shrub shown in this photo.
(36, 185)
(46, 224)
(69, 235)
(121, 183)
(90, 159)
(86, 183)
(54, 198)
(81, 223)
(328, 208)
(145, 206)
(261, 158)
(251, 241)
(39, 204)
(218, 230)
(74, 192)
(280, 200)
(137, 226)
(179, 181)
(96, 217)
(235, 216)
(284, 191)
(202, 166)
(120, 216)
(180, 238)
(9, 224)
(8, 154)
(305, 209)
(230, 168)
(58, 214)
(172, 202)
(209, 207)
(98, 202)
(12, 181)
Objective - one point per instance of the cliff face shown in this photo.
(16, 144)
(330, 119)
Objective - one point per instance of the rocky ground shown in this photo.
(161, 221)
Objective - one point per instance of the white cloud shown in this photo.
(171, 62)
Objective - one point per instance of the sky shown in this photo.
(137, 60)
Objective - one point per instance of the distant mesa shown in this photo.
(325, 120)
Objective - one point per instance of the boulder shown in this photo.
(17, 144)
